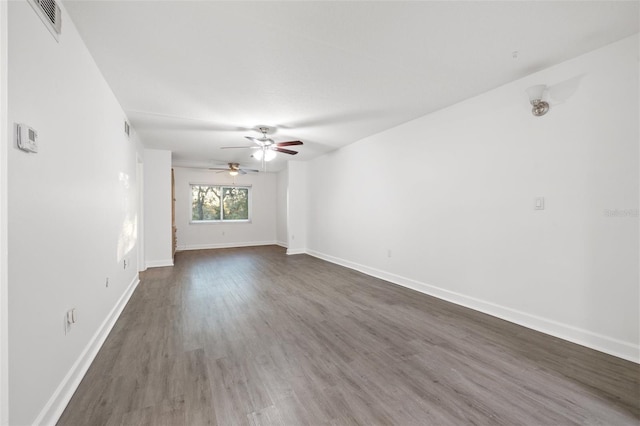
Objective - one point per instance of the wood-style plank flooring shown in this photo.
(253, 336)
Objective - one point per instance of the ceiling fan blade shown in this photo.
(242, 172)
(218, 168)
(290, 143)
(250, 170)
(285, 151)
(238, 147)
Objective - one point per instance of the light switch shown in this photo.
(539, 203)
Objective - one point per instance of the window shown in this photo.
(210, 203)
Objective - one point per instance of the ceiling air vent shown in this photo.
(50, 14)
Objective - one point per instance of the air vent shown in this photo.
(127, 129)
(50, 14)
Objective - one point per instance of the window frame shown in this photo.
(221, 221)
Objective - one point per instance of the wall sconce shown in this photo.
(536, 94)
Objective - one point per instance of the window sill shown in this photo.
(218, 222)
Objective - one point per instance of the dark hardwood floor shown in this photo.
(253, 336)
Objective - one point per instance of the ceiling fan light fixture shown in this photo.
(267, 154)
(536, 95)
(233, 172)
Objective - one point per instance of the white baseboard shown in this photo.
(225, 245)
(282, 244)
(158, 263)
(599, 342)
(297, 251)
(52, 411)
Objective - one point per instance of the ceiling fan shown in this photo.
(234, 169)
(266, 147)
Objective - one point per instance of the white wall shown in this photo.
(4, 305)
(282, 183)
(261, 230)
(142, 266)
(157, 208)
(297, 206)
(444, 203)
(71, 215)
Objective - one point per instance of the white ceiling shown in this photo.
(194, 76)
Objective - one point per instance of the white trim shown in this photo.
(220, 222)
(599, 342)
(158, 263)
(297, 251)
(282, 244)
(226, 245)
(230, 185)
(52, 411)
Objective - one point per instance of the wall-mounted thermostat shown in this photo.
(27, 138)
